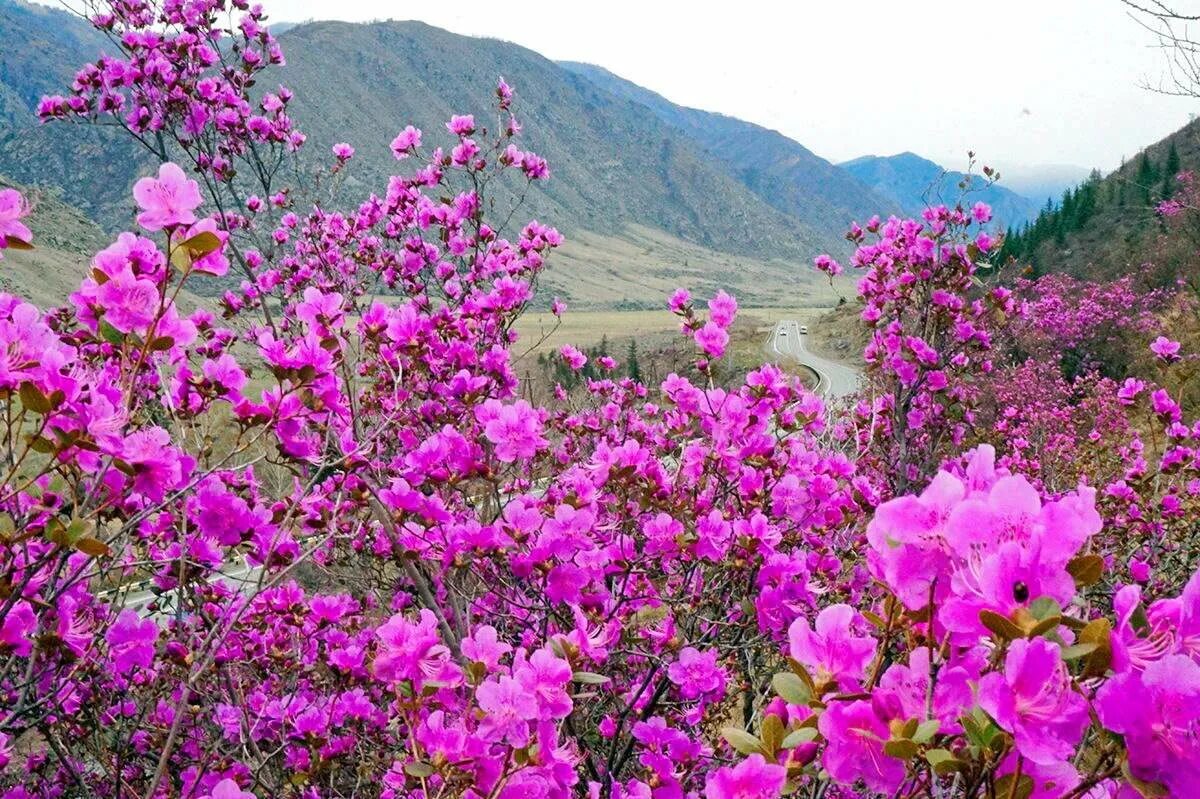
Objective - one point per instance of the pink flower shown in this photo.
(17, 628)
(574, 358)
(832, 651)
(697, 674)
(1158, 713)
(1034, 700)
(722, 309)
(405, 142)
(713, 339)
(130, 303)
(854, 751)
(228, 789)
(484, 646)
(167, 201)
(825, 264)
(982, 212)
(753, 778)
(225, 373)
(131, 642)
(1165, 349)
(679, 300)
(410, 650)
(515, 430)
(461, 125)
(509, 708)
(545, 676)
(12, 208)
(343, 151)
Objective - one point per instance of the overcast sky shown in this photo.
(1019, 81)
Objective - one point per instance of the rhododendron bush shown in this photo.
(320, 547)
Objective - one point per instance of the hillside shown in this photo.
(64, 240)
(779, 170)
(612, 163)
(644, 202)
(1107, 226)
(40, 50)
(913, 182)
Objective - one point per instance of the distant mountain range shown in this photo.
(651, 194)
(914, 182)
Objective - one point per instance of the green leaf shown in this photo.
(772, 733)
(418, 769)
(1044, 607)
(1022, 789)
(33, 398)
(589, 678)
(901, 748)
(202, 243)
(926, 730)
(797, 737)
(791, 688)
(92, 546)
(1086, 569)
(743, 741)
(1078, 650)
(1000, 626)
(943, 761)
(161, 344)
(110, 333)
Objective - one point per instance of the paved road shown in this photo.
(834, 380)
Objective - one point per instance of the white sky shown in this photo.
(854, 77)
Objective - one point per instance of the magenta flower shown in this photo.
(515, 430)
(574, 358)
(722, 309)
(17, 629)
(168, 200)
(131, 642)
(546, 677)
(406, 142)
(12, 208)
(509, 708)
(1165, 349)
(854, 751)
(463, 125)
(713, 339)
(228, 789)
(828, 265)
(831, 651)
(753, 778)
(1158, 713)
(410, 650)
(697, 674)
(130, 303)
(343, 151)
(1034, 700)
(679, 300)
(484, 646)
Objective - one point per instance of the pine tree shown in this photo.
(631, 362)
(1146, 177)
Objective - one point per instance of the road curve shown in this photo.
(834, 380)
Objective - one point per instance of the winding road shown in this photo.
(834, 380)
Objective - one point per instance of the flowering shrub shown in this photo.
(321, 548)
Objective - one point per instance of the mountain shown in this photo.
(40, 50)
(779, 170)
(914, 182)
(646, 204)
(1041, 183)
(1107, 226)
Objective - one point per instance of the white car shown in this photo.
(804, 329)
